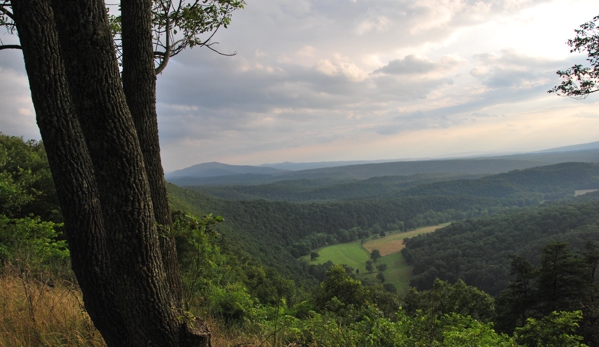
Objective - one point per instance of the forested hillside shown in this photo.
(326, 189)
(553, 181)
(478, 250)
(276, 232)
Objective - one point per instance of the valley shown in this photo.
(355, 254)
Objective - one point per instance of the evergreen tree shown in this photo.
(516, 303)
(561, 278)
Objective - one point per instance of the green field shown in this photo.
(351, 254)
(355, 255)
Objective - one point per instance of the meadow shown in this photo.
(355, 254)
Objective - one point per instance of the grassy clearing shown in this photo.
(398, 272)
(351, 254)
(394, 243)
(584, 191)
(355, 254)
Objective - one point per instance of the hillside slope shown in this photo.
(478, 250)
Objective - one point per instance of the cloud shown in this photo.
(585, 114)
(17, 116)
(511, 69)
(317, 74)
(412, 65)
(504, 78)
(340, 67)
(377, 24)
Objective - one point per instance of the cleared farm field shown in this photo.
(355, 254)
(351, 254)
(394, 243)
(584, 191)
(398, 272)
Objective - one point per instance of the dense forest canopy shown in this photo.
(478, 250)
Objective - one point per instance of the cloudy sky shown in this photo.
(323, 80)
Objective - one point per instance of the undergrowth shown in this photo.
(36, 312)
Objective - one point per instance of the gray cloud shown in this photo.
(407, 66)
(514, 70)
(505, 78)
(17, 116)
(315, 73)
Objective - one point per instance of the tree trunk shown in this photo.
(98, 167)
(70, 163)
(94, 80)
(139, 84)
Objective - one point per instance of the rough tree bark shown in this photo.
(139, 84)
(100, 172)
(74, 179)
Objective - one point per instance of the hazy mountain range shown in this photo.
(215, 173)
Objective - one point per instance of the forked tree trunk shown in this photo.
(70, 163)
(98, 167)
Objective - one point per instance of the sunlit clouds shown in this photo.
(326, 80)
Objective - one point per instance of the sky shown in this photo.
(332, 80)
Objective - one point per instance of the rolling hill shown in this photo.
(223, 174)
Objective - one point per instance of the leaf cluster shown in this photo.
(178, 24)
(579, 81)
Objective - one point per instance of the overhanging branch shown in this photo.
(10, 47)
(6, 12)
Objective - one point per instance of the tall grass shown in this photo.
(34, 312)
(37, 312)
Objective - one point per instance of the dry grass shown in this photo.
(33, 313)
(394, 243)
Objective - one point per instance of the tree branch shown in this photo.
(6, 12)
(10, 47)
(221, 53)
(167, 55)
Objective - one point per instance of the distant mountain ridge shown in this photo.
(223, 174)
(580, 147)
(558, 179)
(215, 169)
(321, 164)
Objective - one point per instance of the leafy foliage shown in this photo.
(563, 282)
(375, 255)
(31, 243)
(181, 24)
(580, 81)
(26, 184)
(225, 282)
(553, 330)
(446, 298)
(28, 236)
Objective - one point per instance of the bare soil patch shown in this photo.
(394, 243)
